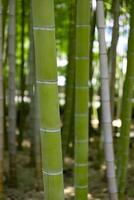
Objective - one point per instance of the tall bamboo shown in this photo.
(45, 54)
(11, 96)
(126, 110)
(34, 114)
(105, 100)
(81, 99)
(112, 54)
(1, 104)
(68, 113)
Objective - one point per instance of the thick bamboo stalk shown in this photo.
(68, 124)
(45, 54)
(112, 54)
(105, 100)
(81, 99)
(1, 104)
(11, 96)
(126, 110)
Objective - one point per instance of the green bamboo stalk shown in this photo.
(1, 103)
(68, 113)
(81, 98)
(105, 99)
(126, 110)
(112, 54)
(11, 96)
(45, 54)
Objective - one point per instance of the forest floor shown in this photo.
(27, 183)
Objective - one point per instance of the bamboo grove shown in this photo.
(66, 99)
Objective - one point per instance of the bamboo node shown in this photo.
(81, 186)
(44, 28)
(81, 164)
(50, 130)
(82, 25)
(52, 173)
(47, 82)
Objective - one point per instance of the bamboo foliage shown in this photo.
(81, 99)
(1, 104)
(126, 110)
(11, 95)
(105, 100)
(45, 54)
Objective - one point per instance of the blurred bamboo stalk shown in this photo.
(105, 101)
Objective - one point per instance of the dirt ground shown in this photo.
(27, 183)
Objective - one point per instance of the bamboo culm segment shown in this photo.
(11, 96)
(1, 104)
(45, 54)
(81, 99)
(105, 101)
(126, 110)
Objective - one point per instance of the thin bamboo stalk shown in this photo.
(105, 100)
(22, 77)
(112, 54)
(126, 111)
(92, 37)
(68, 113)
(45, 54)
(34, 113)
(81, 99)
(1, 103)
(11, 96)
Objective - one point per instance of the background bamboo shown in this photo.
(34, 112)
(81, 99)
(11, 96)
(68, 122)
(105, 101)
(22, 76)
(113, 53)
(1, 102)
(44, 33)
(126, 111)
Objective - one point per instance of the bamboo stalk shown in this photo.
(112, 54)
(11, 96)
(22, 77)
(81, 99)
(34, 113)
(105, 100)
(68, 123)
(1, 103)
(45, 54)
(126, 111)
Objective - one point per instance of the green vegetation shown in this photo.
(66, 99)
